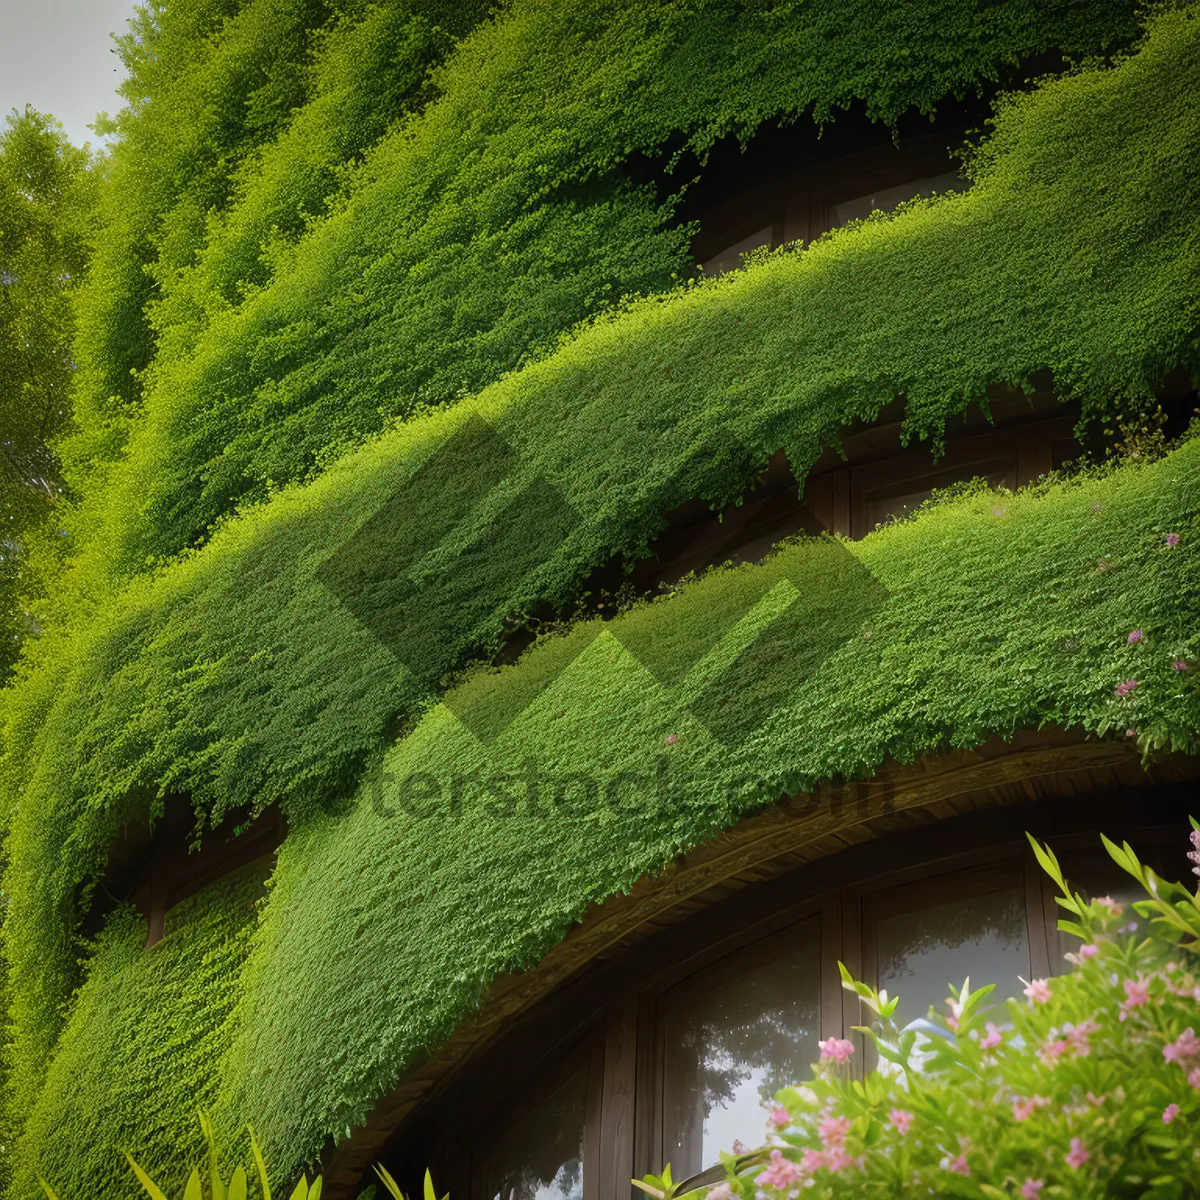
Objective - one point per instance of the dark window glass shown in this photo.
(923, 949)
(920, 952)
(540, 1157)
(730, 1042)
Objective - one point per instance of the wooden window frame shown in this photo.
(623, 1013)
(799, 205)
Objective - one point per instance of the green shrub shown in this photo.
(1091, 1088)
(218, 1188)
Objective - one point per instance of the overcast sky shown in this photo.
(57, 58)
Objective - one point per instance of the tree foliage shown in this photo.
(46, 196)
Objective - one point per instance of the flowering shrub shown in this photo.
(1088, 1087)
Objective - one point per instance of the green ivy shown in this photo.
(492, 216)
(240, 675)
(141, 1054)
(1000, 614)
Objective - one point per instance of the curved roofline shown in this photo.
(1040, 765)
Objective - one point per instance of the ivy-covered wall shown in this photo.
(533, 792)
(143, 1051)
(278, 661)
(284, 322)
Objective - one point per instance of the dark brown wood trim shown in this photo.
(1032, 767)
(616, 1153)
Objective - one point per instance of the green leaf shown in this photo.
(216, 1183)
(152, 1189)
(1047, 861)
(47, 1189)
(237, 1185)
(388, 1182)
(1124, 857)
(653, 1189)
(300, 1191)
(193, 1191)
(260, 1164)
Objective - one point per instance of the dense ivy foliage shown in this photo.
(999, 616)
(474, 233)
(276, 662)
(242, 118)
(141, 1054)
(46, 197)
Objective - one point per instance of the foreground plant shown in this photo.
(236, 1188)
(1089, 1087)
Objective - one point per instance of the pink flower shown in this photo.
(1094, 1100)
(833, 1132)
(957, 1165)
(1108, 902)
(721, 1192)
(1194, 1078)
(1136, 636)
(779, 1117)
(739, 1147)
(1125, 687)
(1077, 1155)
(1024, 1109)
(672, 738)
(1172, 539)
(1038, 991)
(1078, 1038)
(1051, 1052)
(813, 1160)
(1136, 994)
(837, 1159)
(1030, 1189)
(993, 1039)
(1170, 1113)
(901, 1120)
(780, 1173)
(1089, 950)
(1185, 1046)
(836, 1050)
(1180, 664)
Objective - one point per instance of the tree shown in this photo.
(45, 199)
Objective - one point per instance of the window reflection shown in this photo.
(541, 1156)
(920, 951)
(729, 1045)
